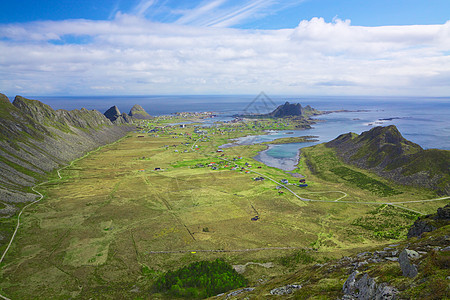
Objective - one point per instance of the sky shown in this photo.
(156, 47)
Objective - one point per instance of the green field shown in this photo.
(101, 230)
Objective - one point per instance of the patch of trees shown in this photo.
(200, 280)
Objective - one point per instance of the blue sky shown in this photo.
(373, 47)
(270, 15)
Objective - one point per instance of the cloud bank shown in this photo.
(132, 55)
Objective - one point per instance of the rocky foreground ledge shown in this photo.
(415, 268)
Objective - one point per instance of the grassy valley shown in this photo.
(164, 197)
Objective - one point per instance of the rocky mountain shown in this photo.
(289, 110)
(385, 151)
(139, 112)
(114, 115)
(293, 110)
(35, 139)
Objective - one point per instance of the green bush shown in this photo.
(200, 280)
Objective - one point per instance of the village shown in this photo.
(193, 138)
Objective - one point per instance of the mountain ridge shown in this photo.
(36, 139)
(386, 152)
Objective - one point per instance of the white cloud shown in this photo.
(131, 55)
(143, 6)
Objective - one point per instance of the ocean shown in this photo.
(422, 120)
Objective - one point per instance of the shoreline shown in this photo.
(287, 164)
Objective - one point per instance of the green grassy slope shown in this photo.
(385, 151)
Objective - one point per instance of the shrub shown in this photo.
(200, 280)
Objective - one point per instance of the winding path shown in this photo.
(228, 250)
(42, 196)
(396, 204)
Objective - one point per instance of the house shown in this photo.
(219, 150)
(303, 185)
(157, 169)
(302, 181)
(284, 181)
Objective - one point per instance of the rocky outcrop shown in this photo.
(408, 269)
(238, 292)
(113, 113)
(430, 222)
(123, 119)
(419, 227)
(443, 213)
(366, 288)
(285, 290)
(138, 112)
(385, 151)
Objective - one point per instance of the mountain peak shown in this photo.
(139, 112)
(293, 110)
(4, 99)
(287, 110)
(35, 109)
(112, 113)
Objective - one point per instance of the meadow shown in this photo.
(121, 217)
